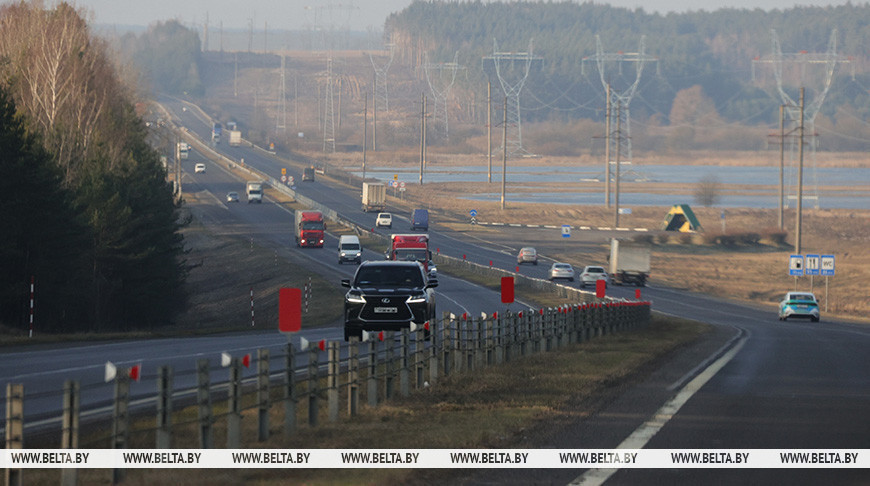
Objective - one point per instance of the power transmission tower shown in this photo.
(619, 99)
(382, 98)
(282, 117)
(512, 71)
(328, 111)
(802, 60)
(442, 92)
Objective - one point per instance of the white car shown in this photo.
(199, 168)
(799, 304)
(592, 274)
(561, 270)
(385, 220)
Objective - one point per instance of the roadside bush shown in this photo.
(773, 237)
(644, 238)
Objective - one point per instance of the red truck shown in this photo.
(309, 228)
(410, 248)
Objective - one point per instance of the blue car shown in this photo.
(799, 304)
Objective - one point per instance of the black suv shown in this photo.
(387, 296)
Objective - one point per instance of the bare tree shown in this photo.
(62, 78)
(709, 191)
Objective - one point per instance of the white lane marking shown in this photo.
(640, 437)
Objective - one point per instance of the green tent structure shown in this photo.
(681, 218)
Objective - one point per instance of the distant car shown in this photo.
(433, 270)
(562, 270)
(527, 255)
(308, 174)
(199, 168)
(385, 220)
(591, 274)
(799, 304)
(232, 197)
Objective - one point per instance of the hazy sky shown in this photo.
(357, 14)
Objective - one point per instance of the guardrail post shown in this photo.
(263, 398)
(372, 392)
(203, 400)
(289, 391)
(489, 342)
(70, 437)
(389, 371)
(446, 343)
(333, 370)
(418, 358)
(234, 410)
(121, 421)
(435, 347)
(14, 427)
(458, 345)
(405, 369)
(470, 343)
(353, 377)
(164, 408)
(312, 387)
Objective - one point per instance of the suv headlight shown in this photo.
(355, 298)
(416, 299)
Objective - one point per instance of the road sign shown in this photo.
(283, 178)
(827, 265)
(291, 180)
(796, 265)
(473, 213)
(402, 185)
(812, 265)
(395, 177)
(283, 171)
(566, 231)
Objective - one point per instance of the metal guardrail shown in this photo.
(387, 365)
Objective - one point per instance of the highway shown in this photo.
(796, 385)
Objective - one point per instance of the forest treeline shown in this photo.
(87, 213)
(718, 61)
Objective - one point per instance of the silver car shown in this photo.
(527, 255)
(562, 270)
(232, 196)
(592, 274)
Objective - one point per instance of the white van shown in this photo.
(349, 249)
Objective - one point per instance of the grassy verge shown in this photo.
(497, 407)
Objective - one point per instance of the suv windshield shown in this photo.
(389, 276)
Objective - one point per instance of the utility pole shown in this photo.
(781, 163)
(800, 189)
(607, 148)
(504, 153)
(422, 136)
(616, 177)
(489, 131)
(375, 121)
(365, 133)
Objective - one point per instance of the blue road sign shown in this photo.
(566, 231)
(812, 265)
(827, 265)
(473, 213)
(796, 265)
